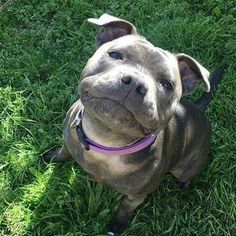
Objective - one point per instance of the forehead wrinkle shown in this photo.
(146, 56)
(141, 68)
(157, 58)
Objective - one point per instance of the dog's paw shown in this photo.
(110, 234)
(52, 155)
(184, 185)
(119, 223)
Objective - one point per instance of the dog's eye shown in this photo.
(166, 84)
(115, 55)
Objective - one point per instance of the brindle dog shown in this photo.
(129, 90)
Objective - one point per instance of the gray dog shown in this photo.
(131, 125)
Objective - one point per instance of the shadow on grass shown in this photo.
(74, 204)
(78, 206)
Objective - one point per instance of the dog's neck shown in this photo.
(95, 130)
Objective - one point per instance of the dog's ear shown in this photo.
(112, 28)
(191, 72)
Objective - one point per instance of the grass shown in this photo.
(44, 46)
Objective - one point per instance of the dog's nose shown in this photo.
(140, 88)
(126, 79)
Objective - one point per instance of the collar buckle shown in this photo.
(80, 132)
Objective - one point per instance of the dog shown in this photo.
(132, 124)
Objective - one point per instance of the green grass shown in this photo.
(44, 46)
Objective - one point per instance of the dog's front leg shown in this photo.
(56, 154)
(124, 214)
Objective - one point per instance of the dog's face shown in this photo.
(132, 86)
(128, 83)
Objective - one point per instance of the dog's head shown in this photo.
(132, 86)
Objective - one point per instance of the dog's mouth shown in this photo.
(107, 109)
(87, 96)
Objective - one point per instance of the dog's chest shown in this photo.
(114, 172)
(103, 167)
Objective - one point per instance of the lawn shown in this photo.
(44, 47)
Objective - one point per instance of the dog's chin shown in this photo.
(114, 116)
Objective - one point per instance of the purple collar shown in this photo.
(120, 151)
